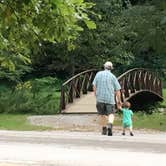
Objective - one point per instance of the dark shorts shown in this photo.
(105, 109)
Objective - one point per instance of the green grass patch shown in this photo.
(156, 121)
(18, 122)
(141, 120)
(163, 104)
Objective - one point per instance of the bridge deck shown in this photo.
(85, 104)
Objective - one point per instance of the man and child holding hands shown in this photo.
(106, 89)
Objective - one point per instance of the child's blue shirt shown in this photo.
(127, 116)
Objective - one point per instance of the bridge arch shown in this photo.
(138, 85)
(142, 98)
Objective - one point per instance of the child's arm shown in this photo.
(131, 113)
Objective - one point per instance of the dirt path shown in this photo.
(75, 122)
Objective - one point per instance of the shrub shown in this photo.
(37, 96)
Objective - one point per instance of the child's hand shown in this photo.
(119, 108)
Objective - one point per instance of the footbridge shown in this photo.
(139, 86)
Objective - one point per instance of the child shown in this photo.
(127, 117)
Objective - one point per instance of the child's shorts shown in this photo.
(127, 125)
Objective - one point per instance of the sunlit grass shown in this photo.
(163, 104)
(141, 120)
(17, 122)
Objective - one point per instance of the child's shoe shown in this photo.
(131, 134)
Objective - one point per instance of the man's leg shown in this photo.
(110, 109)
(102, 117)
(103, 123)
(110, 123)
(111, 118)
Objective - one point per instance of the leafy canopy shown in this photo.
(25, 23)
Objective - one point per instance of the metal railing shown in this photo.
(132, 81)
(76, 86)
(139, 79)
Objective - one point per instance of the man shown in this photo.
(106, 88)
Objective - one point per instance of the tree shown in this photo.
(102, 43)
(145, 31)
(25, 24)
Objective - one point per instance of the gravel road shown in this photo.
(66, 148)
(76, 141)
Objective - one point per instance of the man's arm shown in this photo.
(94, 84)
(117, 88)
(94, 89)
(118, 99)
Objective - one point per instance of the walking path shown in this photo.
(80, 115)
(85, 104)
(76, 122)
(72, 122)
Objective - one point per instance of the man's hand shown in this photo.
(118, 100)
(119, 105)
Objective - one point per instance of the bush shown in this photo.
(37, 96)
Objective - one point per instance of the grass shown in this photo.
(18, 122)
(163, 104)
(156, 121)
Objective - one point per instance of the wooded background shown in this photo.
(43, 42)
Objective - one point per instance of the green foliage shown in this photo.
(144, 31)
(15, 76)
(104, 43)
(25, 24)
(38, 96)
(52, 59)
(129, 33)
(92, 47)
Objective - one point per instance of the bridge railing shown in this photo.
(76, 86)
(139, 79)
(132, 81)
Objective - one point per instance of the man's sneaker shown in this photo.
(123, 133)
(104, 131)
(131, 134)
(109, 131)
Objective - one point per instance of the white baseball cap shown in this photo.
(108, 65)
